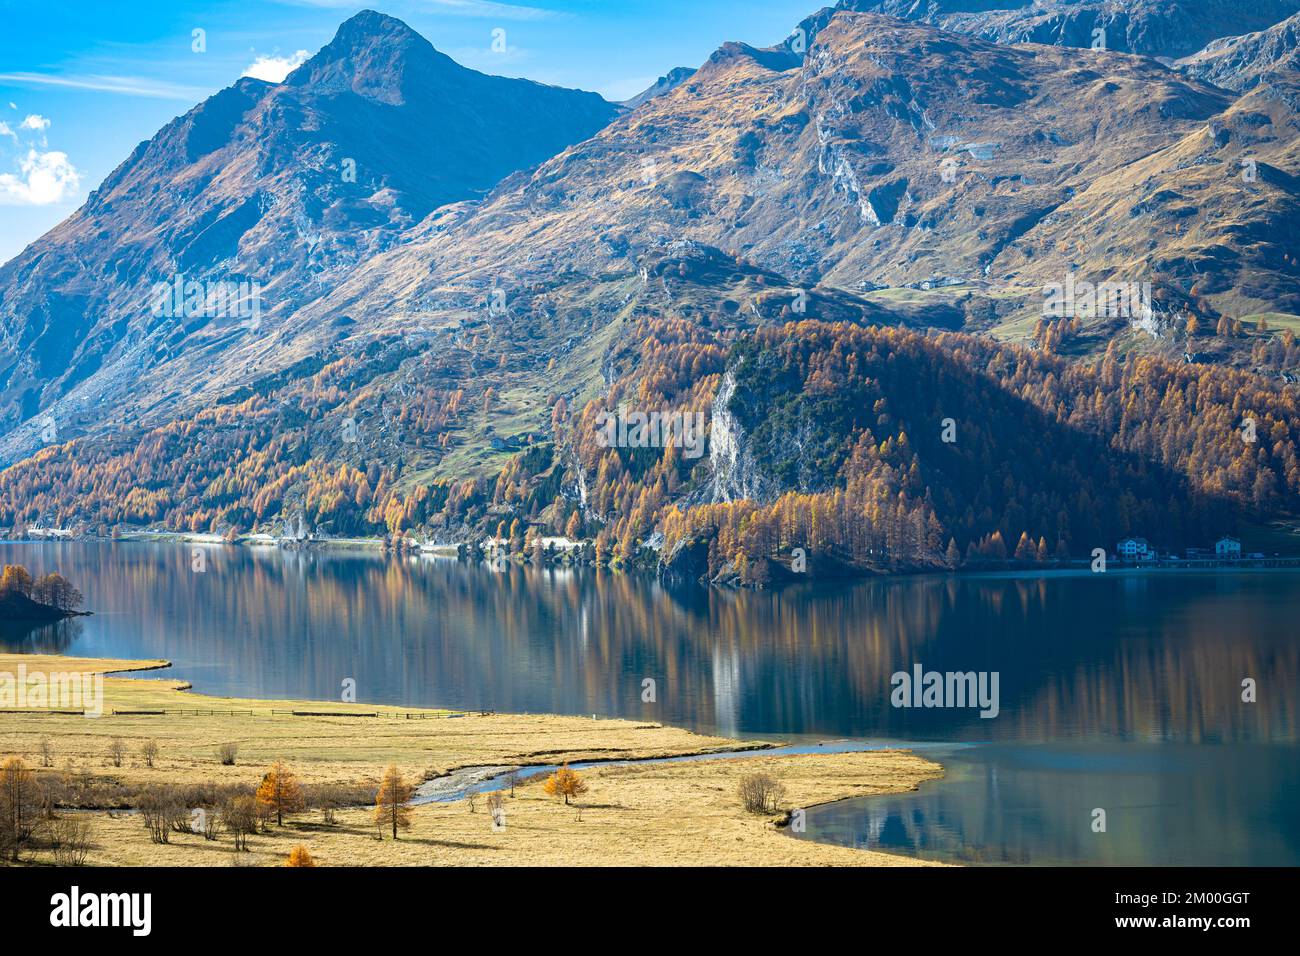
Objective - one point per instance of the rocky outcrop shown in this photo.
(1160, 28)
(686, 563)
(1241, 63)
(665, 84)
(736, 474)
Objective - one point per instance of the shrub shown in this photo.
(238, 815)
(70, 839)
(160, 807)
(760, 793)
(299, 856)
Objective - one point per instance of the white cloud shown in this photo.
(127, 85)
(36, 121)
(46, 178)
(7, 130)
(274, 69)
(486, 8)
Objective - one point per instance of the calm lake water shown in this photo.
(1117, 691)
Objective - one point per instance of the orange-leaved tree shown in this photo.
(390, 802)
(565, 783)
(280, 793)
(299, 856)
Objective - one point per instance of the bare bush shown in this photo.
(47, 753)
(329, 798)
(227, 753)
(182, 817)
(116, 751)
(159, 808)
(149, 752)
(85, 790)
(760, 793)
(239, 816)
(70, 840)
(496, 806)
(205, 802)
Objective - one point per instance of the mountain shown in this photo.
(929, 184)
(1241, 63)
(665, 84)
(902, 165)
(1160, 28)
(287, 185)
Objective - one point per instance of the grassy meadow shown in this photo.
(686, 813)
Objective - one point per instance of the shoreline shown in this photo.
(656, 797)
(465, 551)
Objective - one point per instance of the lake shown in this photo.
(1120, 691)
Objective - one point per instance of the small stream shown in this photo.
(457, 784)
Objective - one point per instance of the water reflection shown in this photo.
(1166, 805)
(1155, 657)
(1117, 691)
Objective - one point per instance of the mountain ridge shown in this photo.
(284, 184)
(443, 377)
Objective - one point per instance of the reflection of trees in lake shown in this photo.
(1136, 656)
(27, 637)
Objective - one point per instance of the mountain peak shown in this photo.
(373, 55)
(366, 27)
(665, 84)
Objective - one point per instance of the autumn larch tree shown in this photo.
(299, 856)
(16, 579)
(390, 802)
(20, 806)
(565, 783)
(280, 792)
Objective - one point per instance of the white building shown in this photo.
(1227, 547)
(1134, 549)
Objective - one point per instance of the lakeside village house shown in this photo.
(1137, 550)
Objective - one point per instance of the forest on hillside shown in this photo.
(880, 447)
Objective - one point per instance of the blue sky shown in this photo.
(83, 81)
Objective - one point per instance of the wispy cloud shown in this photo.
(45, 178)
(486, 9)
(122, 85)
(36, 121)
(273, 69)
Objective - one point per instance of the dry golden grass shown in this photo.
(320, 749)
(676, 814)
(684, 813)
